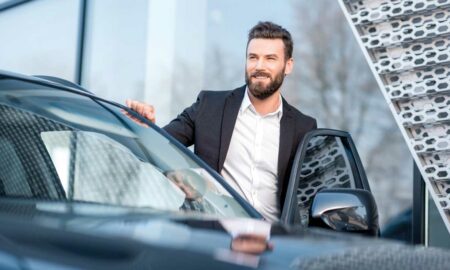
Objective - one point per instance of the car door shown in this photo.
(325, 158)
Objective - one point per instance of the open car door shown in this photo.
(325, 159)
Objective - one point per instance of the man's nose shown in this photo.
(260, 64)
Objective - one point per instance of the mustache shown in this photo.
(260, 73)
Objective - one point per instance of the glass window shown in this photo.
(438, 235)
(25, 171)
(40, 38)
(13, 177)
(114, 63)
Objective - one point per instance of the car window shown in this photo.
(326, 165)
(13, 180)
(59, 145)
(24, 171)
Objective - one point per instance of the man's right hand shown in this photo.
(146, 110)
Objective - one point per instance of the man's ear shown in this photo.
(289, 66)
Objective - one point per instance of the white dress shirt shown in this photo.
(251, 164)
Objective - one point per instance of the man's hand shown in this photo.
(251, 243)
(146, 110)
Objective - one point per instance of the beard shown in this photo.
(260, 90)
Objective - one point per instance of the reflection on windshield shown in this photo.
(96, 168)
(194, 188)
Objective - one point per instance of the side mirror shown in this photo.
(345, 210)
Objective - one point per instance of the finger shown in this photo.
(134, 105)
(131, 103)
(134, 119)
(150, 113)
(140, 108)
(146, 110)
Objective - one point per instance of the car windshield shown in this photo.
(60, 145)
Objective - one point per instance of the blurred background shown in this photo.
(165, 52)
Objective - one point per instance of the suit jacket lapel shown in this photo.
(230, 112)
(286, 143)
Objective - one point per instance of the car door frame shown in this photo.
(357, 168)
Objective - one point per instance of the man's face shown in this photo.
(266, 66)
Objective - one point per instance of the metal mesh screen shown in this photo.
(24, 167)
(407, 45)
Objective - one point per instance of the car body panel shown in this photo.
(108, 235)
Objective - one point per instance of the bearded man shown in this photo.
(249, 135)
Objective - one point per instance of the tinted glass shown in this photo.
(40, 37)
(63, 146)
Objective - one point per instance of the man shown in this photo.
(249, 135)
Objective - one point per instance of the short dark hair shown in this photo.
(270, 30)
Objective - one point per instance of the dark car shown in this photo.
(87, 183)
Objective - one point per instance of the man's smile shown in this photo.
(260, 76)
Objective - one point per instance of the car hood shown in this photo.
(172, 240)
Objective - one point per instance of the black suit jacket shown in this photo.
(209, 124)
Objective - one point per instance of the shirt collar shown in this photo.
(247, 105)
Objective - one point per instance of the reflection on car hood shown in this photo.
(198, 240)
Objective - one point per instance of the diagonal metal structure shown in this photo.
(407, 45)
(5, 5)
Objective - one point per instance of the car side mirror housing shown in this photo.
(345, 210)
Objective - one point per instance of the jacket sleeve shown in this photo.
(182, 127)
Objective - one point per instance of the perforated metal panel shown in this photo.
(407, 45)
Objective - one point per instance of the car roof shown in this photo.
(57, 83)
(62, 82)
